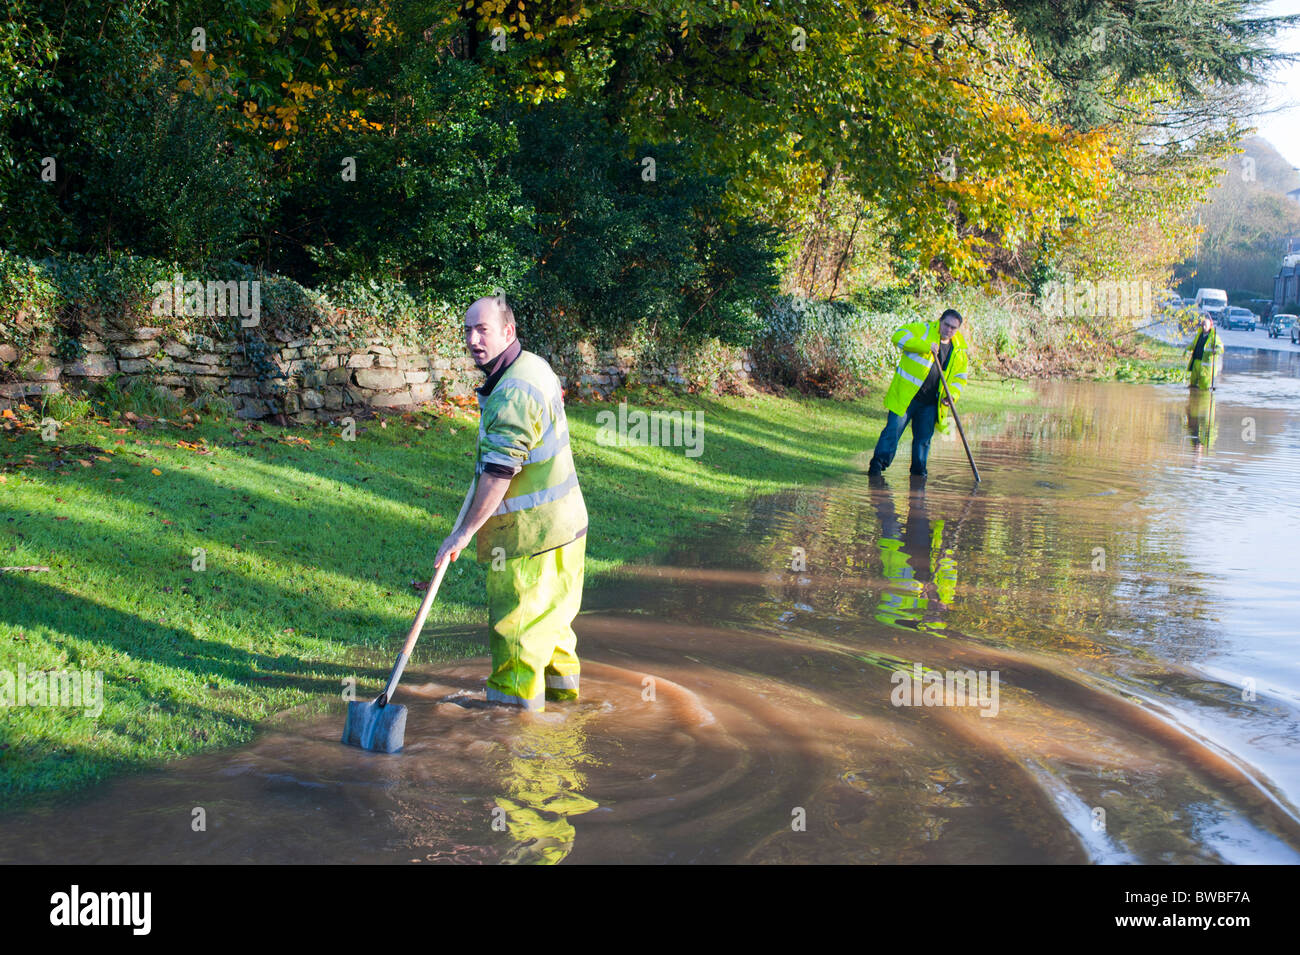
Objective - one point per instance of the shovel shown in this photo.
(952, 406)
(380, 726)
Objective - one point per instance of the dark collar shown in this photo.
(496, 367)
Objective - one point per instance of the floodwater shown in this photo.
(789, 685)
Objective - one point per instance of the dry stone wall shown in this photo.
(323, 375)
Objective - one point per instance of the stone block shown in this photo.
(380, 379)
(415, 377)
(92, 366)
(176, 349)
(361, 361)
(187, 368)
(396, 399)
(312, 399)
(138, 349)
(40, 370)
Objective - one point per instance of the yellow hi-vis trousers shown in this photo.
(531, 605)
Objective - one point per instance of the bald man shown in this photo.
(527, 509)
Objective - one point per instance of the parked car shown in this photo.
(1295, 333)
(1168, 303)
(1279, 325)
(1238, 317)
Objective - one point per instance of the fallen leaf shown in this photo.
(154, 471)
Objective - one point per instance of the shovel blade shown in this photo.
(380, 729)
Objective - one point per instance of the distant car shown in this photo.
(1238, 317)
(1279, 325)
(1295, 333)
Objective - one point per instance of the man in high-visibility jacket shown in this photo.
(928, 349)
(527, 509)
(1207, 356)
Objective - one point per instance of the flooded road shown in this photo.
(1093, 657)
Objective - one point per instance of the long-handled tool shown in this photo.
(381, 725)
(1213, 355)
(952, 405)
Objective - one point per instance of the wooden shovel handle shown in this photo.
(425, 605)
(400, 665)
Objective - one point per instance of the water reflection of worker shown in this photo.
(1206, 362)
(1201, 427)
(543, 779)
(905, 548)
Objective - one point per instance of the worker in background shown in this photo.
(1206, 361)
(528, 512)
(928, 349)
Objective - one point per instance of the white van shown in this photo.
(1212, 302)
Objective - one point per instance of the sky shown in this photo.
(1282, 128)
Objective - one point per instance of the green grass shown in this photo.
(311, 546)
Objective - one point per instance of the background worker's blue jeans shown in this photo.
(923, 417)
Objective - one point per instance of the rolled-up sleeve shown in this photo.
(510, 432)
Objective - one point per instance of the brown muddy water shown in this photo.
(1120, 589)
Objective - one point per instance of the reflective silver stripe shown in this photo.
(912, 378)
(529, 388)
(545, 496)
(961, 375)
(561, 682)
(906, 335)
(499, 440)
(551, 445)
(493, 457)
(496, 696)
(921, 359)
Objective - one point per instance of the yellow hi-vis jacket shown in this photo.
(914, 340)
(1205, 371)
(523, 426)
